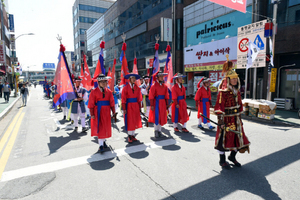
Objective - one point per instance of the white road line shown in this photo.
(54, 166)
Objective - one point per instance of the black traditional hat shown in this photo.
(145, 77)
(102, 77)
(131, 74)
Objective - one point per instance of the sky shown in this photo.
(46, 19)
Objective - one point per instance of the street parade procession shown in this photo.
(153, 100)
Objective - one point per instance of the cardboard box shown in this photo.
(266, 109)
(266, 116)
(246, 108)
(253, 112)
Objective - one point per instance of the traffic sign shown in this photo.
(243, 45)
(258, 41)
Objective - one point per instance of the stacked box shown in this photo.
(265, 109)
(253, 112)
(266, 116)
(246, 110)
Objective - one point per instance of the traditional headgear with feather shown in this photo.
(203, 80)
(229, 74)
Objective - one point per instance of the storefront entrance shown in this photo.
(290, 86)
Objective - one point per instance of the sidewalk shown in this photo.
(6, 107)
(282, 117)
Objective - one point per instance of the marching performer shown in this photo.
(179, 107)
(158, 96)
(65, 108)
(101, 102)
(230, 135)
(145, 91)
(131, 105)
(78, 105)
(203, 102)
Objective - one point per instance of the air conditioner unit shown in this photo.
(283, 103)
(288, 104)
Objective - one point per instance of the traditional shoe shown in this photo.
(133, 138)
(156, 134)
(176, 129)
(64, 117)
(76, 129)
(72, 121)
(201, 127)
(184, 130)
(236, 163)
(211, 127)
(225, 165)
(105, 145)
(160, 134)
(101, 149)
(84, 129)
(129, 139)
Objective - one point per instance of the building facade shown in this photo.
(85, 13)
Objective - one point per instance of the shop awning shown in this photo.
(2, 71)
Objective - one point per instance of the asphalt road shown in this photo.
(43, 158)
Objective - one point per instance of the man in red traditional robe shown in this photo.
(203, 103)
(131, 105)
(158, 97)
(101, 102)
(230, 135)
(179, 107)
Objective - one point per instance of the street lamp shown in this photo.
(24, 34)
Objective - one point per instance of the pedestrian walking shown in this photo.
(179, 107)
(24, 93)
(131, 105)
(230, 135)
(1, 86)
(101, 102)
(203, 103)
(116, 95)
(158, 97)
(6, 91)
(78, 105)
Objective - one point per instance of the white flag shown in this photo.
(271, 52)
(253, 51)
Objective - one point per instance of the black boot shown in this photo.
(231, 157)
(223, 162)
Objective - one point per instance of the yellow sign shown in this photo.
(273, 79)
(205, 68)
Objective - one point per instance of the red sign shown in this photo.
(243, 45)
(215, 76)
(239, 5)
(151, 62)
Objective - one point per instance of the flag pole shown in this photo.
(59, 38)
(246, 83)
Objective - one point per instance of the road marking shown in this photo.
(8, 131)
(54, 166)
(10, 144)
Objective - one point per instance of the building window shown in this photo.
(82, 43)
(87, 20)
(297, 16)
(92, 8)
(82, 31)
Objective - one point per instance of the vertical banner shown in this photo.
(190, 83)
(2, 52)
(273, 79)
(239, 5)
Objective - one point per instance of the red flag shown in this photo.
(169, 69)
(109, 75)
(135, 71)
(100, 64)
(113, 76)
(148, 72)
(63, 81)
(124, 68)
(86, 76)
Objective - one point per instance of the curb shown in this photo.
(6, 111)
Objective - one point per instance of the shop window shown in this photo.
(297, 16)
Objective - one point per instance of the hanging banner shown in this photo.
(239, 5)
(273, 79)
(210, 56)
(2, 52)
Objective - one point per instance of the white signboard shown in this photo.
(162, 60)
(166, 29)
(255, 32)
(210, 56)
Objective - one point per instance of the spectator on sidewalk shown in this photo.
(1, 86)
(24, 92)
(6, 90)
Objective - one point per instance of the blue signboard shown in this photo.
(218, 28)
(48, 66)
(11, 23)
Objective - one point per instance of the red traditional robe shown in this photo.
(178, 95)
(230, 107)
(131, 102)
(203, 97)
(101, 127)
(159, 114)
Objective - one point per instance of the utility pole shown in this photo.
(275, 7)
(173, 34)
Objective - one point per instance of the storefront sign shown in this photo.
(254, 32)
(239, 5)
(217, 28)
(11, 23)
(214, 77)
(2, 52)
(48, 66)
(209, 56)
(166, 29)
(273, 79)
